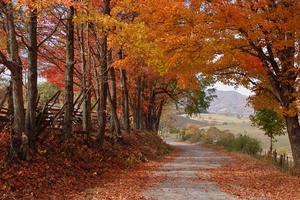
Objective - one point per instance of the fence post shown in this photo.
(281, 161)
(275, 156)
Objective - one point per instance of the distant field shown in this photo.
(240, 126)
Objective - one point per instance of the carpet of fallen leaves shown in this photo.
(119, 171)
(249, 178)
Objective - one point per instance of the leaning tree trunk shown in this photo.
(32, 80)
(158, 116)
(69, 93)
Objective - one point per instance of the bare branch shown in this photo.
(51, 34)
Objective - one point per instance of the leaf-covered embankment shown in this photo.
(86, 171)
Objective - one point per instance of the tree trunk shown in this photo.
(18, 146)
(114, 116)
(271, 144)
(104, 76)
(158, 117)
(125, 101)
(113, 86)
(10, 100)
(103, 89)
(150, 113)
(139, 109)
(293, 129)
(18, 127)
(69, 74)
(86, 104)
(32, 80)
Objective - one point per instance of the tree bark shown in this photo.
(10, 99)
(271, 144)
(125, 101)
(103, 41)
(103, 89)
(293, 129)
(125, 97)
(150, 112)
(158, 117)
(69, 74)
(15, 66)
(85, 83)
(139, 108)
(32, 80)
(114, 116)
(113, 86)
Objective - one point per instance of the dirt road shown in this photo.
(181, 182)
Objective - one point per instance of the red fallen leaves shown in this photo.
(87, 173)
(126, 185)
(247, 178)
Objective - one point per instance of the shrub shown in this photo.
(216, 135)
(241, 143)
(192, 133)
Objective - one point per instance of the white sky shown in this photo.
(241, 89)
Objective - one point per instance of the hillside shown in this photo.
(230, 102)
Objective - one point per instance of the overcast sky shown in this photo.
(241, 89)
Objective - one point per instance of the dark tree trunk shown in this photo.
(114, 116)
(32, 80)
(158, 117)
(125, 100)
(271, 144)
(69, 74)
(139, 108)
(113, 86)
(293, 129)
(85, 83)
(150, 112)
(103, 89)
(104, 77)
(10, 100)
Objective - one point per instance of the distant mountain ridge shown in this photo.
(230, 102)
